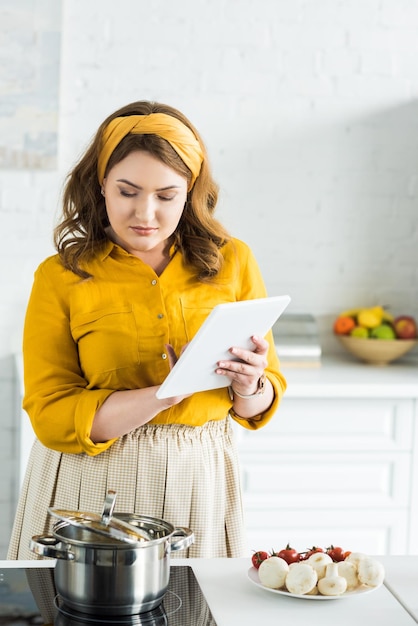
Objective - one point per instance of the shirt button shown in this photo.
(153, 282)
(163, 356)
(160, 316)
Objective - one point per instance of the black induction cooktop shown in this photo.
(28, 598)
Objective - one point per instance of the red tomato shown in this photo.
(308, 553)
(336, 553)
(347, 554)
(288, 554)
(258, 557)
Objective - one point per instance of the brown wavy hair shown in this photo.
(81, 233)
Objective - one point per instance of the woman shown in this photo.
(141, 262)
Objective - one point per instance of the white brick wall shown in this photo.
(309, 110)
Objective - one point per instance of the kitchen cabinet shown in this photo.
(338, 463)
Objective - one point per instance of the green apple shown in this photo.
(384, 331)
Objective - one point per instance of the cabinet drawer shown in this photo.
(374, 532)
(302, 481)
(335, 424)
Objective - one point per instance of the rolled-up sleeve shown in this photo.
(60, 406)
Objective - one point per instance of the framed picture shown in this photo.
(30, 32)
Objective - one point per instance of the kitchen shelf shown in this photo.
(339, 375)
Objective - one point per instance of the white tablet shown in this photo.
(228, 324)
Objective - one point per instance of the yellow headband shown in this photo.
(179, 136)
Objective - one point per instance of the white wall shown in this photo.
(309, 110)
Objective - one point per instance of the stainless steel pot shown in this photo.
(100, 575)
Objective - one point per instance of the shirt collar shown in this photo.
(106, 250)
(109, 246)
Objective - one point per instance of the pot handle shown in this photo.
(45, 545)
(186, 538)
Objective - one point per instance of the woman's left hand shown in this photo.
(246, 371)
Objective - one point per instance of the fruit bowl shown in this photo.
(377, 351)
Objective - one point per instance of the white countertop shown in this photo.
(233, 599)
(342, 376)
(402, 580)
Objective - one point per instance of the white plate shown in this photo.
(253, 576)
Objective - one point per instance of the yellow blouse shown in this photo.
(84, 339)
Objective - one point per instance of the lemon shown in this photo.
(370, 318)
(359, 331)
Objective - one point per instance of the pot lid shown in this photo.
(104, 524)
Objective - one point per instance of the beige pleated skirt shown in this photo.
(188, 476)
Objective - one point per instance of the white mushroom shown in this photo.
(356, 557)
(319, 561)
(313, 592)
(301, 579)
(332, 584)
(272, 572)
(348, 570)
(371, 572)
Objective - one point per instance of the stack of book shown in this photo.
(297, 340)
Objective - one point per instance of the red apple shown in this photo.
(405, 327)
